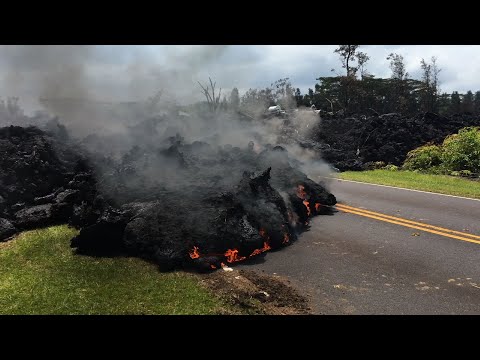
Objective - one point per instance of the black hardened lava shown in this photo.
(185, 203)
(41, 178)
(353, 143)
(197, 204)
(173, 202)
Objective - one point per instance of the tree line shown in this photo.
(355, 90)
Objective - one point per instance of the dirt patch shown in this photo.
(256, 293)
(6, 243)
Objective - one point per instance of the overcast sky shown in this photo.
(112, 73)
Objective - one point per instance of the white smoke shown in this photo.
(68, 88)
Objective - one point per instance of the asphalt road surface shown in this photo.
(387, 251)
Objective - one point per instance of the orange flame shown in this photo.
(266, 244)
(301, 192)
(302, 195)
(194, 254)
(256, 252)
(266, 247)
(306, 203)
(317, 206)
(232, 256)
(264, 234)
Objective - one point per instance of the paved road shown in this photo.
(357, 262)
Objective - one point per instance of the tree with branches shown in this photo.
(430, 81)
(397, 65)
(362, 59)
(213, 100)
(348, 55)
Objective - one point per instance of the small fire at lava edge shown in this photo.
(196, 204)
(231, 255)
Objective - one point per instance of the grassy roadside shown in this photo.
(442, 184)
(39, 274)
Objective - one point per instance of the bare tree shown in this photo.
(347, 55)
(212, 100)
(331, 103)
(399, 93)
(284, 93)
(431, 87)
(435, 81)
(362, 59)
(427, 73)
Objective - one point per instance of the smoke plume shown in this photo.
(71, 84)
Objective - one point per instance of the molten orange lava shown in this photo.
(303, 195)
(266, 247)
(307, 205)
(317, 206)
(194, 254)
(232, 256)
(256, 252)
(266, 243)
(301, 192)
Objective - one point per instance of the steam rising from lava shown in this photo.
(175, 187)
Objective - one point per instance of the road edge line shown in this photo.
(396, 187)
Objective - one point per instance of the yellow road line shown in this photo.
(407, 221)
(410, 226)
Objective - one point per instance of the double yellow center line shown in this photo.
(411, 224)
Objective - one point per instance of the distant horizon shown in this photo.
(126, 73)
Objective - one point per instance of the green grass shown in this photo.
(39, 274)
(442, 184)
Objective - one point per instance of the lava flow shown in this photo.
(302, 195)
(266, 244)
(307, 205)
(301, 192)
(232, 256)
(194, 254)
